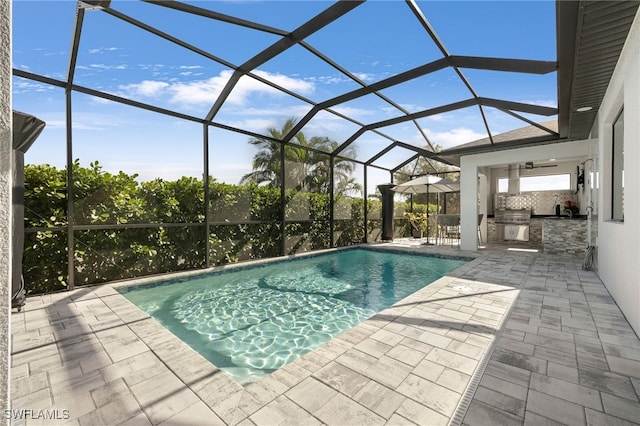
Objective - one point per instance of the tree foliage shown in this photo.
(126, 228)
(307, 162)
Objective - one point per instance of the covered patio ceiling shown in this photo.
(371, 117)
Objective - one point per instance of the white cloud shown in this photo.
(454, 137)
(301, 86)
(408, 107)
(331, 79)
(108, 67)
(145, 88)
(26, 86)
(84, 121)
(352, 112)
(189, 67)
(200, 92)
(542, 102)
(364, 76)
(257, 125)
(436, 117)
(101, 50)
(150, 66)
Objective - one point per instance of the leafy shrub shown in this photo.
(124, 228)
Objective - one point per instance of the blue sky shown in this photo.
(374, 41)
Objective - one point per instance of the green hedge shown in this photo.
(245, 223)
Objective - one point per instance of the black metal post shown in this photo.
(205, 148)
(387, 211)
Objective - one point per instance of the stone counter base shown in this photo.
(564, 236)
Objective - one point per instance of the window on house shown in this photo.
(617, 168)
(503, 185)
(561, 182)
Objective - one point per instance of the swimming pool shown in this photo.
(252, 320)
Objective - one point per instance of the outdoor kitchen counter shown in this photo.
(562, 235)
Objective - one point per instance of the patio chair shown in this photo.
(449, 228)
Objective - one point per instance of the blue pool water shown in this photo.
(253, 320)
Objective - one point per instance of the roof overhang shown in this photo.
(590, 37)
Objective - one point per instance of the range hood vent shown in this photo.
(514, 179)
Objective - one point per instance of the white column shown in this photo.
(483, 189)
(468, 205)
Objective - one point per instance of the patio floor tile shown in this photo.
(500, 401)
(552, 346)
(608, 382)
(621, 407)
(113, 413)
(430, 394)
(420, 414)
(282, 411)
(311, 394)
(481, 414)
(503, 386)
(379, 399)
(454, 380)
(163, 396)
(341, 410)
(596, 418)
(342, 378)
(198, 414)
(578, 394)
(555, 408)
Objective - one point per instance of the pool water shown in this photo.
(253, 320)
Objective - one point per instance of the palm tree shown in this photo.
(266, 162)
(307, 168)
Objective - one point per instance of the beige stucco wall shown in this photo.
(5, 198)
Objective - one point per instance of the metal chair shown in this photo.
(449, 227)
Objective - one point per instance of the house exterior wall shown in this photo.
(5, 199)
(619, 242)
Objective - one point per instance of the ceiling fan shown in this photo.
(530, 165)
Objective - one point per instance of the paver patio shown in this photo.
(509, 338)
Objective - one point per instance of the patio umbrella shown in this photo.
(445, 185)
(26, 129)
(419, 185)
(425, 185)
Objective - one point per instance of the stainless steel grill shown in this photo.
(521, 216)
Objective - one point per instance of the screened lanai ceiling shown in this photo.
(388, 81)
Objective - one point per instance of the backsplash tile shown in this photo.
(540, 202)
